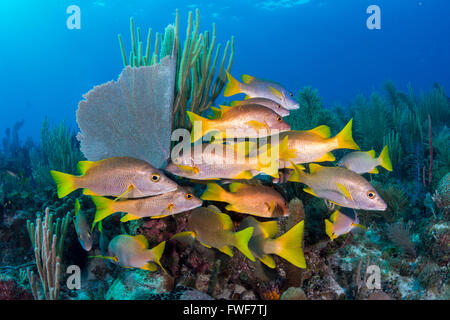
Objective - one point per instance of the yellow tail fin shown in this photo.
(158, 252)
(104, 208)
(214, 192)
(384, 159)
(65, 183)
(241, 242)
(329, 229)
(233, 86)
(344, 138)
(197, 132)
(289, 246)
(298, 172)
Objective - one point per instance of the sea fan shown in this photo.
(130, 117)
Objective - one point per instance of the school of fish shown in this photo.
(265, 145)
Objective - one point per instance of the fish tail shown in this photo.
(197, 132)
(384, 159)
(329, 229)
(289, 246)
(104, 208)
(214, 192)
(344, 138)
(241, 242)
(158, 252)
(65, 183)
(298, 174)
(233, 86)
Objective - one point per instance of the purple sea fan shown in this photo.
(401, 236)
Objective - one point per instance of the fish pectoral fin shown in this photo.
(276, 93)
(227, 250)
(189, 169)
(129, 188)
(268, 261)
(344, 191)
(270, 206)
(205, 245)
(150, 267)
(310, 191)
(129, 217)
(256, 124)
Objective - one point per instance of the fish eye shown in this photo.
(278, 106)
(279, 119)
(188, 196)
(285, 204)
(155, 177)
(371, 194)
(291, 94)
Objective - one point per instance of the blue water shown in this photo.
(45, 68)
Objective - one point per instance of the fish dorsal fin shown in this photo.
(226, 221)
(344, 191)
(247, 79)
(214, 208)
(256, 124)
(188, 169)
(142, 241)
(268, 261)
(269, 228)
(371, 153)
(236, 186)
(323, 131)
(84, 166)
(334, 216)
(276, 93)
(225, 108)
(77, 207)
(314, 167)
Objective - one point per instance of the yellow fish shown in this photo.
(362, 162)
(215, 229)
(340, 224)
(316, 145)
(258, 88)
(250, 121)
(256, 200)
(263, 242)
(162, 205)
(119, 176)
(132, 252)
